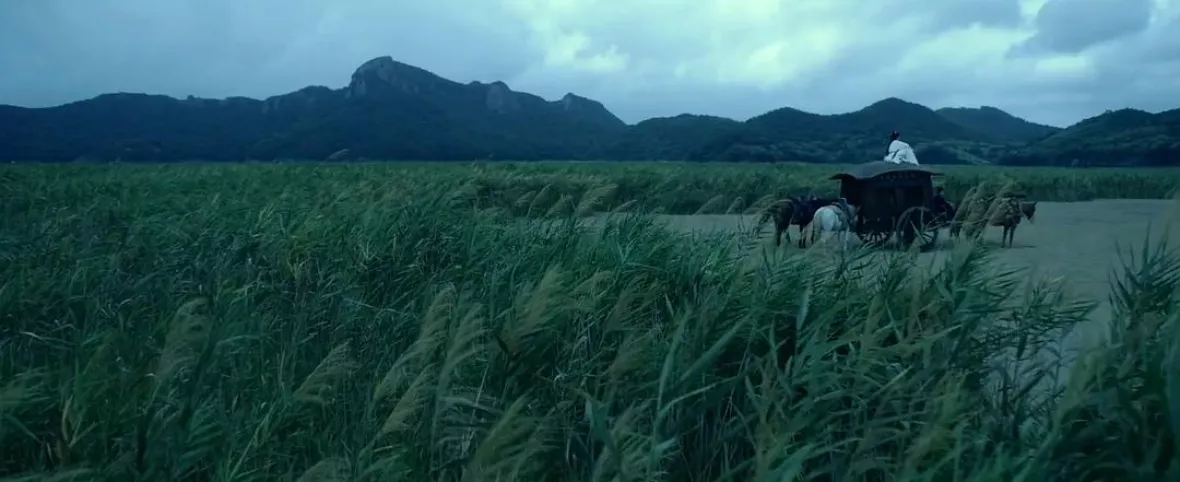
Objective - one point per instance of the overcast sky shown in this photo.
(1052, 61)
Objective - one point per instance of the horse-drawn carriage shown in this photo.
(893, 201)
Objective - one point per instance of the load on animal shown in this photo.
(1003, 211)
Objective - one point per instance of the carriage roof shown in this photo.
(871, 170)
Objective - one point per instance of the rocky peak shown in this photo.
(501, 99)
(571, 102)
(383, 74)
(589, 109)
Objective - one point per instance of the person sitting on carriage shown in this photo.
(899, 152)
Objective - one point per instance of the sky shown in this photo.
(1049, 61)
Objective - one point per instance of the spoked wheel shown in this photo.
(873, 238)
(916, 225)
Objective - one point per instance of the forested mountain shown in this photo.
(394, 111)
(999, 125)
(1124, 137)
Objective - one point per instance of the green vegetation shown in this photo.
(395, 111)
(1125, 137)
(370, 322)
(1002, 126)
(685, 188)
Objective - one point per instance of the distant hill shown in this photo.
(997, 124)
(389, 110)
(1124, 137)
(394, 111)
(676, 138)
(861, 135)
(795, 135)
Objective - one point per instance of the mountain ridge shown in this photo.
(396, 111)
(1005, 126)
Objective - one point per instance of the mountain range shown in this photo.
(394, 111)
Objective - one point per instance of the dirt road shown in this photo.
(1077, 241)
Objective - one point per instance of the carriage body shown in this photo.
(892, 200)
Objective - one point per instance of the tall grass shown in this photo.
(270, 323)
(682, 188)
(670, 188)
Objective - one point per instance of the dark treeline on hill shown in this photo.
(394, 111)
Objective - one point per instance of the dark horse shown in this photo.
(793, 211)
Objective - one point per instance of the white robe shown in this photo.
(901, 153)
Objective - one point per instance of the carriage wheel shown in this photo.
(916, 224)
(873, 237)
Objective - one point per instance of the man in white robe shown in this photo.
(900, 152)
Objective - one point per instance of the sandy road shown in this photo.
(1078, 242)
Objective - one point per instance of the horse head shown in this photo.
(1028, 209)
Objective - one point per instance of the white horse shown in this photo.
(833, 219)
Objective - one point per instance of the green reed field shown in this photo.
(385, 322)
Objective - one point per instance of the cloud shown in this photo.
(1053, 61)
(1071, 26)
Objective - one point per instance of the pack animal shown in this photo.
(1004, 213)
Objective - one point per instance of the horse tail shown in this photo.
(817, 226)
(806, 233)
